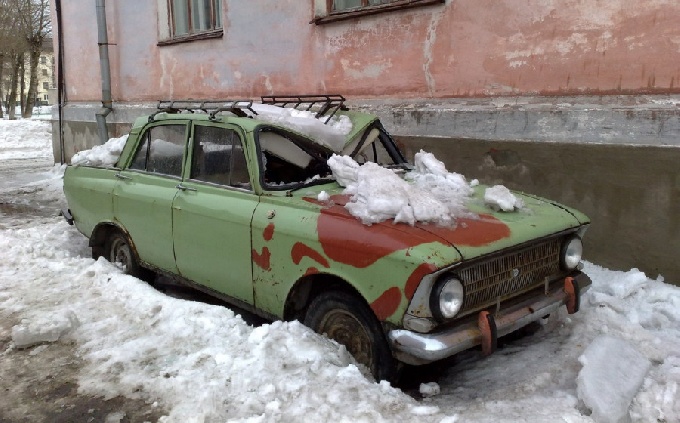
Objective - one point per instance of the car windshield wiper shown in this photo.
(309, 183)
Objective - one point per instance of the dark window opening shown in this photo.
(194, 16)
(287, 160)
(345, 9)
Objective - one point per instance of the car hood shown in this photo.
(485, 231)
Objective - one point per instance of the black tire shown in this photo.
(118, 250)
(347, 319)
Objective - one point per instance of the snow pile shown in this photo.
(427, 194)
(25, 139)
(101, 155)
(500, 198)
(138, 342)
(332, 135)
(44, 328)
(613, 371)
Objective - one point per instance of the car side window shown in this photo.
(218, 157)
(161, 150)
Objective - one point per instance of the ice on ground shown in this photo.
(500, 198)
(332, 134)
(427, 194)
(612, 374)
(101, 155)
(44, 328)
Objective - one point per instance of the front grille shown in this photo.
(505, 276)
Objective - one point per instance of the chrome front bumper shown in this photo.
(421, 348)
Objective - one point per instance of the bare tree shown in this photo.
(37, 26)
(24, 25)
(12, 45)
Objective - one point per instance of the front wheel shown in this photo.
(347, 320)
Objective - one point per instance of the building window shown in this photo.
(43, 60)
(335, 10)
(46, 85)
(44, 72)
(194, 16)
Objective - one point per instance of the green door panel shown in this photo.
(142, 204)
(212, 237)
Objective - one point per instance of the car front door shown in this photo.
(212, 213)
(143, 196)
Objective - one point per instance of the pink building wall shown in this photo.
(461, 48)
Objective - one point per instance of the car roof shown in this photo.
(360, 121)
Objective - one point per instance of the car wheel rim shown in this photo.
(120, 253)
(347, 330)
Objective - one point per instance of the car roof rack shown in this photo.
(323, 105)
(212, 107)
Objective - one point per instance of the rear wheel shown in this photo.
(347, 320)
(118, 250)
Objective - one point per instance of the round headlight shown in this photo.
(448, 298)
(572, 251)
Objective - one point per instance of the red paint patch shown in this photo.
(387, 304)
(472, 232)
(268, 233)
(415, 278)
(263, 260)
(346, 240)
(301, 250)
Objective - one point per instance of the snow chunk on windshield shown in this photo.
(331, 135)
(101, 155)
(500, 198)
(427, 194)
(613, 371)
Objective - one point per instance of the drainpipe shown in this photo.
(104, 65)
(61, 84)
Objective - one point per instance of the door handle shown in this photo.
(123, 177)
(183, 188)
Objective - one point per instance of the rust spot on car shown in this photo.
(311, 271)
(301, 250)
(268, 233)
(387, 304)
(262, 260)
(472, 232)
(346, 240)
(415, 278)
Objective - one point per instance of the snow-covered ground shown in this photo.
(617, 359)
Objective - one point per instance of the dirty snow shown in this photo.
(332, 134)
(613, 371)
(500, 198)
(203, 363)
(428, 194)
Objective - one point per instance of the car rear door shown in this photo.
(146, 188)
(213, 211)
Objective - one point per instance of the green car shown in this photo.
(246, 209)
